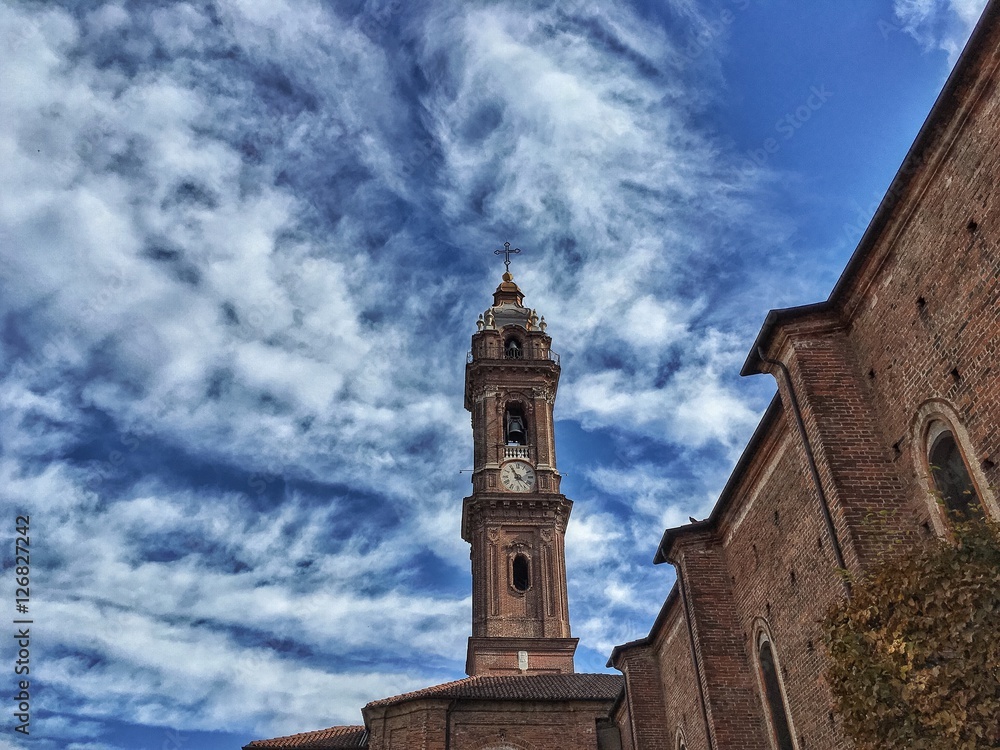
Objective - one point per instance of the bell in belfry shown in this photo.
(516, 432)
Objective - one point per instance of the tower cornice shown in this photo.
(494, 377)
(492, 508)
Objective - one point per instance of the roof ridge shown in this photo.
(421, 691)
(465, 688)
(295, 740)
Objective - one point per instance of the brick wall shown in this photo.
(437, 724)
(726, 676)
(646, 721)
(677, 674)
(927, 323)
(910, 334)
(621, 719)
(784, 578)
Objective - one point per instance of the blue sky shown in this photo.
(244, 247)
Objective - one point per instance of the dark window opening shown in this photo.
(513, 349)
(775, 701)
(608, 735)
(951, 477)
(515, 427)
(521, 572)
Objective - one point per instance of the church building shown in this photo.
(522, 690)
(883, 429)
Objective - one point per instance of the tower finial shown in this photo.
(507, 252)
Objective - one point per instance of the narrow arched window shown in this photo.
(773, 697)
(951, 476)
(513, 349)
(515, 427)
(520, 572)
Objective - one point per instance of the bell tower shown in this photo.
(515, 519)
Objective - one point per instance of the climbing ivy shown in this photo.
(915, 653)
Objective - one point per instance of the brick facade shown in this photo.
(908, 339)
(485, 724)
(529, 712)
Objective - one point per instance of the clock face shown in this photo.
(517, 476)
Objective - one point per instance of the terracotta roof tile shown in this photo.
(322, 739)
(540, 687)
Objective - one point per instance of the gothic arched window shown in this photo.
(515, 426)
(774, 699)
(951, 475)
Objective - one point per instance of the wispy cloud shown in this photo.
(939, 24)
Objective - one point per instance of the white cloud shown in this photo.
(657, 501)
(593, 154)
(189, 666)
(154, 637)
(592, 538)
(172, 268)
(693, 407)
(939, 24)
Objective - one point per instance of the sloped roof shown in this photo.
(321, 739)
(538, 687)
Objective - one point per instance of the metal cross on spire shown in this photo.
(507, 252)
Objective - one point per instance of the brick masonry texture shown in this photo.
(528, 711)
(908, 337)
